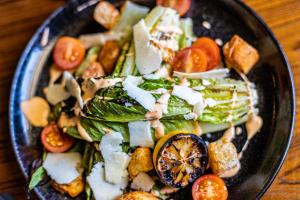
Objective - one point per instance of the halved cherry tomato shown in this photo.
(54, 140)
(209, 187)
(68, 53)
(190, 60)
(211, 49)
(182, 6)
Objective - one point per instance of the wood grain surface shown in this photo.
(20, 18)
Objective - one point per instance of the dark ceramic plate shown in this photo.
(272, 75)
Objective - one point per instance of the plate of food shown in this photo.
(152, 100)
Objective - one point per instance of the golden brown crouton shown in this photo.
(238, 53)
(73, 189)
(223, 158)
(138, 195)
(141, 161)
(106, 14)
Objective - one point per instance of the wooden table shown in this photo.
(20, 18)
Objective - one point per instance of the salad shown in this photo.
(127, 112)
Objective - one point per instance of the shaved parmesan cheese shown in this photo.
(163, 72)
(147, 58)
(205, 82)
(115, 160)
(73, 87)
(199, 108)
(111, 142)
(63, 168)
(83, 133)
(133, 80)
(142, 182)
(140, 134)
(163, 101)
(187, 94)
(143, 97)
(103, 190)
(199, 88)
(36, 111)
(151, 77)
(159, 91)
(56, 93)
(190, 116)
(217, 73)
(116, 166)
(211, 102)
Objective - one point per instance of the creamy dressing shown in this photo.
(229, 134)
(234, 98)
(165, 51)
(240, 155)
(253, 125)
(160, 108)
(197, 128)
(36, 111)
(227, 137)
(254, 122)
(158, 128)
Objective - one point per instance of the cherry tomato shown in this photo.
(211, 49)
(54, 140)
(209, 187)
(68, 53)
(190, 60)
(182, 6)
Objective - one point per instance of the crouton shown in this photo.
(138, 195)
(73, 189)
(239, 54)
(106, 14)
(141, 161)
(223, 158)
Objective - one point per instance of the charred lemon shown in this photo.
(181, 159)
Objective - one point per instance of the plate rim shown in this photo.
(242, 5)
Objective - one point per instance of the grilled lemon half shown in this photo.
(180, 159)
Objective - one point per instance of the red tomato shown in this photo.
(54, 140)
(68, 53)
(211, 49)
(182, 6)
(190, 60)
(209, 187)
